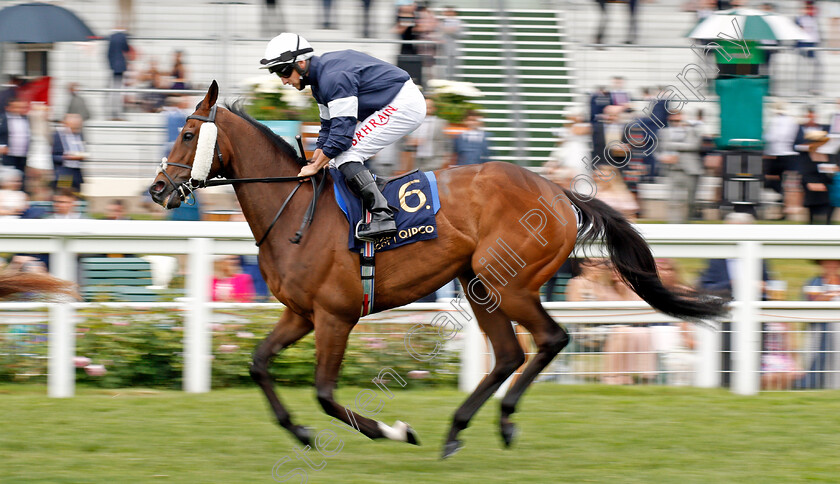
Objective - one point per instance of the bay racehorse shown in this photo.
(318, 278)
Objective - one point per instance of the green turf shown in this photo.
(568, 434)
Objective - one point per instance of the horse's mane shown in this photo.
(237, 108)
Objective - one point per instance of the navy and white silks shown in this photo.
(365, 104)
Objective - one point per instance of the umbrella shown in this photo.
(41, 23)
(754, 24)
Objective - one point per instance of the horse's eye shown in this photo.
(188, 136)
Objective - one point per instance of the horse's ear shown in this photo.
(212, 94)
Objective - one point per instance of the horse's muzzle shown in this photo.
(165, 195)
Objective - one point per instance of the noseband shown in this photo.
(185, 189)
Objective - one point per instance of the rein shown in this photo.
(185, 189)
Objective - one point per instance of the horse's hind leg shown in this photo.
(289, 329)
(509, 357)
(550, 339)
(331, 335)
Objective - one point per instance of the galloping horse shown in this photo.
(318, 279)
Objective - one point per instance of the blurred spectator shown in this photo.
(65, 205)
(612, 191)
(176, 112)
(679, 143)
(810, 24)
(152, 78)
(68, 153)
(119, 53)
(366, 18)
(568, 159)
(778, 367)
(821, 357)
(720, 273)
(13, 201)
(608, 130)
(594, 283)
(15, 135)
(427, 30)
(77, 104)
(779, 155)
(628, 349)
(179, 71)
(326, 13)
(115, 210)
(675, 343)
(618, 94)
(39, 164)
(272, 19)
(472, 146)
(450, 28)
(631, 28)
(815, 170)
(9, 90)
(431, 145)
(405, 28)
(598, 101)
(230, 284)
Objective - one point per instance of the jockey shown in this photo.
(365, 104)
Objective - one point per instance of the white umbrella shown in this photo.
(753, 25)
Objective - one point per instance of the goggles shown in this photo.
(282, 70)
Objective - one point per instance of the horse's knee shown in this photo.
(555, 342)
(259, 370)
(510, 362)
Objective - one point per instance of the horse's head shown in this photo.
(195, 156)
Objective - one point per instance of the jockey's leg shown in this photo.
(362, 183)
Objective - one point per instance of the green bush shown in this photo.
(144, 348)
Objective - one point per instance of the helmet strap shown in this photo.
(304, 73)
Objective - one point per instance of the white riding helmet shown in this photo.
(286, 48)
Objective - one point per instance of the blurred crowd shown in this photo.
(673, 170)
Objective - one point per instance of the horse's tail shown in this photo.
(13, 282)
(631, 255)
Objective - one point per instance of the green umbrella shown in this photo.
(753, 25)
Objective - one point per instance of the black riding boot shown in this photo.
(360, 180)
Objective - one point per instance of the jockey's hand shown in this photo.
(309, 170)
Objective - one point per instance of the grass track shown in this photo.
(568, 434)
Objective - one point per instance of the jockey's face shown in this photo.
(294, 77)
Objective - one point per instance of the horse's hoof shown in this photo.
(303, 434)
(411, 436)
(509, 431)
(451, 448)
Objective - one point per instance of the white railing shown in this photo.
(65, 239)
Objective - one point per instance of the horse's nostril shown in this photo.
(158, 186)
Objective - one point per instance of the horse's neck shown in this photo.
(259, 200)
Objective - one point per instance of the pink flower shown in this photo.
(418, 374)
(245, 334)
(228, 348)
(95, 370)
(120, 323)
(81, 361)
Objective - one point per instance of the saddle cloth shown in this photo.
(414, 194)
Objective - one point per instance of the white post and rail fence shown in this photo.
(64, 240)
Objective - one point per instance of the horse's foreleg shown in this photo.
(330, 343)
(509, 357)
(289, 329)
(550, 338)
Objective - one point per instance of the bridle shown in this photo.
(186, 189)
